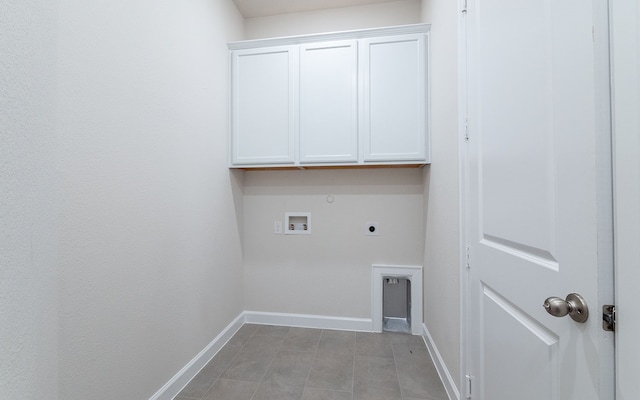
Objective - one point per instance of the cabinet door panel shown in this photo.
(263, 95)
(394, 90)
(329, 102)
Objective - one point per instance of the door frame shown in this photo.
(625, 65)
(605, 197)
(464, 385)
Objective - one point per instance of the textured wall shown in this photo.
(442, 260)
(147, 240)
(150, 256)
(28, 200)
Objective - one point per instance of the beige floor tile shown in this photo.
(249, 366)
(198, 386)
(332, 371)
(417, 375)
(273, 330)
(263, 343)
(225, 389)
(375, 376)
(324, 394)
(201, 383)
(266, 392)
(337, 342)
(375, 396)
(302, 339)
(404, 338)
(289, 369)
(265, 362)
(373, 344)
(244, 334)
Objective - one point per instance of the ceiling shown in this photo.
(262, 8)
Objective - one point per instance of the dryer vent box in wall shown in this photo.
(396, 304)
(297, 223)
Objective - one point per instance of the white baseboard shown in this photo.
(189, 371)
(309, 321)
(447, 380)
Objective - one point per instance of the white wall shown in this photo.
(337, 19)
(329, 271)
(150, 264)
(149, 268)
(441, 259)
(28, 200)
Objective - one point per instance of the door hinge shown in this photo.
(468, 386)
(609, 317)
(466, 130)
(468, 257)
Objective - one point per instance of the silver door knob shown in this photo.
(574, 305)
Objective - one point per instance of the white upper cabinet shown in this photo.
(263, 105)
(356, 98)
(394, 98)
(329, 102)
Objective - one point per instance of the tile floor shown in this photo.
(263, 362)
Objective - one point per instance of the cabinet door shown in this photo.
(329, 102)
(263, 105)
(394, 98)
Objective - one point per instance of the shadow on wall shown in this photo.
(339, 181)
(236, 179)
(426, 181)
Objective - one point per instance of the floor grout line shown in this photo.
(313, 360)
(302, 342)
(353, 368)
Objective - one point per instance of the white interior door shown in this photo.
(537, 198)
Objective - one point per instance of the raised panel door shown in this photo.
(537, 200)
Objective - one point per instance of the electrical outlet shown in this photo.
(372, 229)
(277, 227)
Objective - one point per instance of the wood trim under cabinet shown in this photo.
(315, 167)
